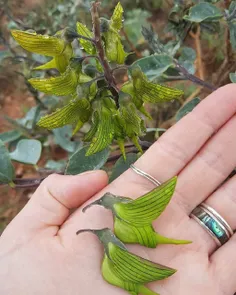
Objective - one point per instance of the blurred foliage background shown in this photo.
(205, 51)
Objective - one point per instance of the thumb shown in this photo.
(50, 205)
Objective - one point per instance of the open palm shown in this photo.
(41, 254)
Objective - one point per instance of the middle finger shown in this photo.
(210, 167)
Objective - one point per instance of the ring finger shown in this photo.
(223, 201)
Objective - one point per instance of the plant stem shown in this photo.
(131, 45)
(193, 78)
(157, 47)
(101, 53)
(200, 64)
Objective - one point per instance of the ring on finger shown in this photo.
(215, 225)
(209, 219)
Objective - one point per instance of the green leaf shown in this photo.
(232, 30)
(10, 136)
(204, 12)
(62, 138)
(134, 20)
(187, 108)
(114, 47)
(187, 59)
(117, 17)
(232, 77)
(121, 165)
(56, 165)
(31, 117)
(232, 7)
(176, 13)
(84, 31)
(7, 173)
(79, 162)
(27, 151)
(155, 65)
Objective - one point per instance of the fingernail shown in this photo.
(89, 172)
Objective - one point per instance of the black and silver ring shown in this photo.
(213, 223)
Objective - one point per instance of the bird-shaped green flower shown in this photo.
(133, 218)
(54, 46)
(126, 270)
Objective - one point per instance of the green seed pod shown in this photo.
(133, 218)
(126, 270)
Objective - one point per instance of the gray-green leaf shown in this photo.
(187, 108)
(121, 165)
(187, 59)
(133, 23)
(10, 136)
(79, 162)
(28, 151)
(232, 77)
(204, 12)
(30, 118)
(155, 65)
(58, 166)
(232, 30)
(63, 138)
(7, 173)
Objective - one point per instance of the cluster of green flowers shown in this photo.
(90, 102)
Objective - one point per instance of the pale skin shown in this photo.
(41, 254)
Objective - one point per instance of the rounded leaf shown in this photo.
(7, 173)
(27, 151)
(79, 162)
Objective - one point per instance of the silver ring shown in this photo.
(213, 223)
(146, 175)
(206, 216)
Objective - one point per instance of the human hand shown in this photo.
(41, 254)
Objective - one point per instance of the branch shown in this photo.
(26, 183)
(158, 47)
(193, 78)
(131, 45)
(34, 182)
(101, 53)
